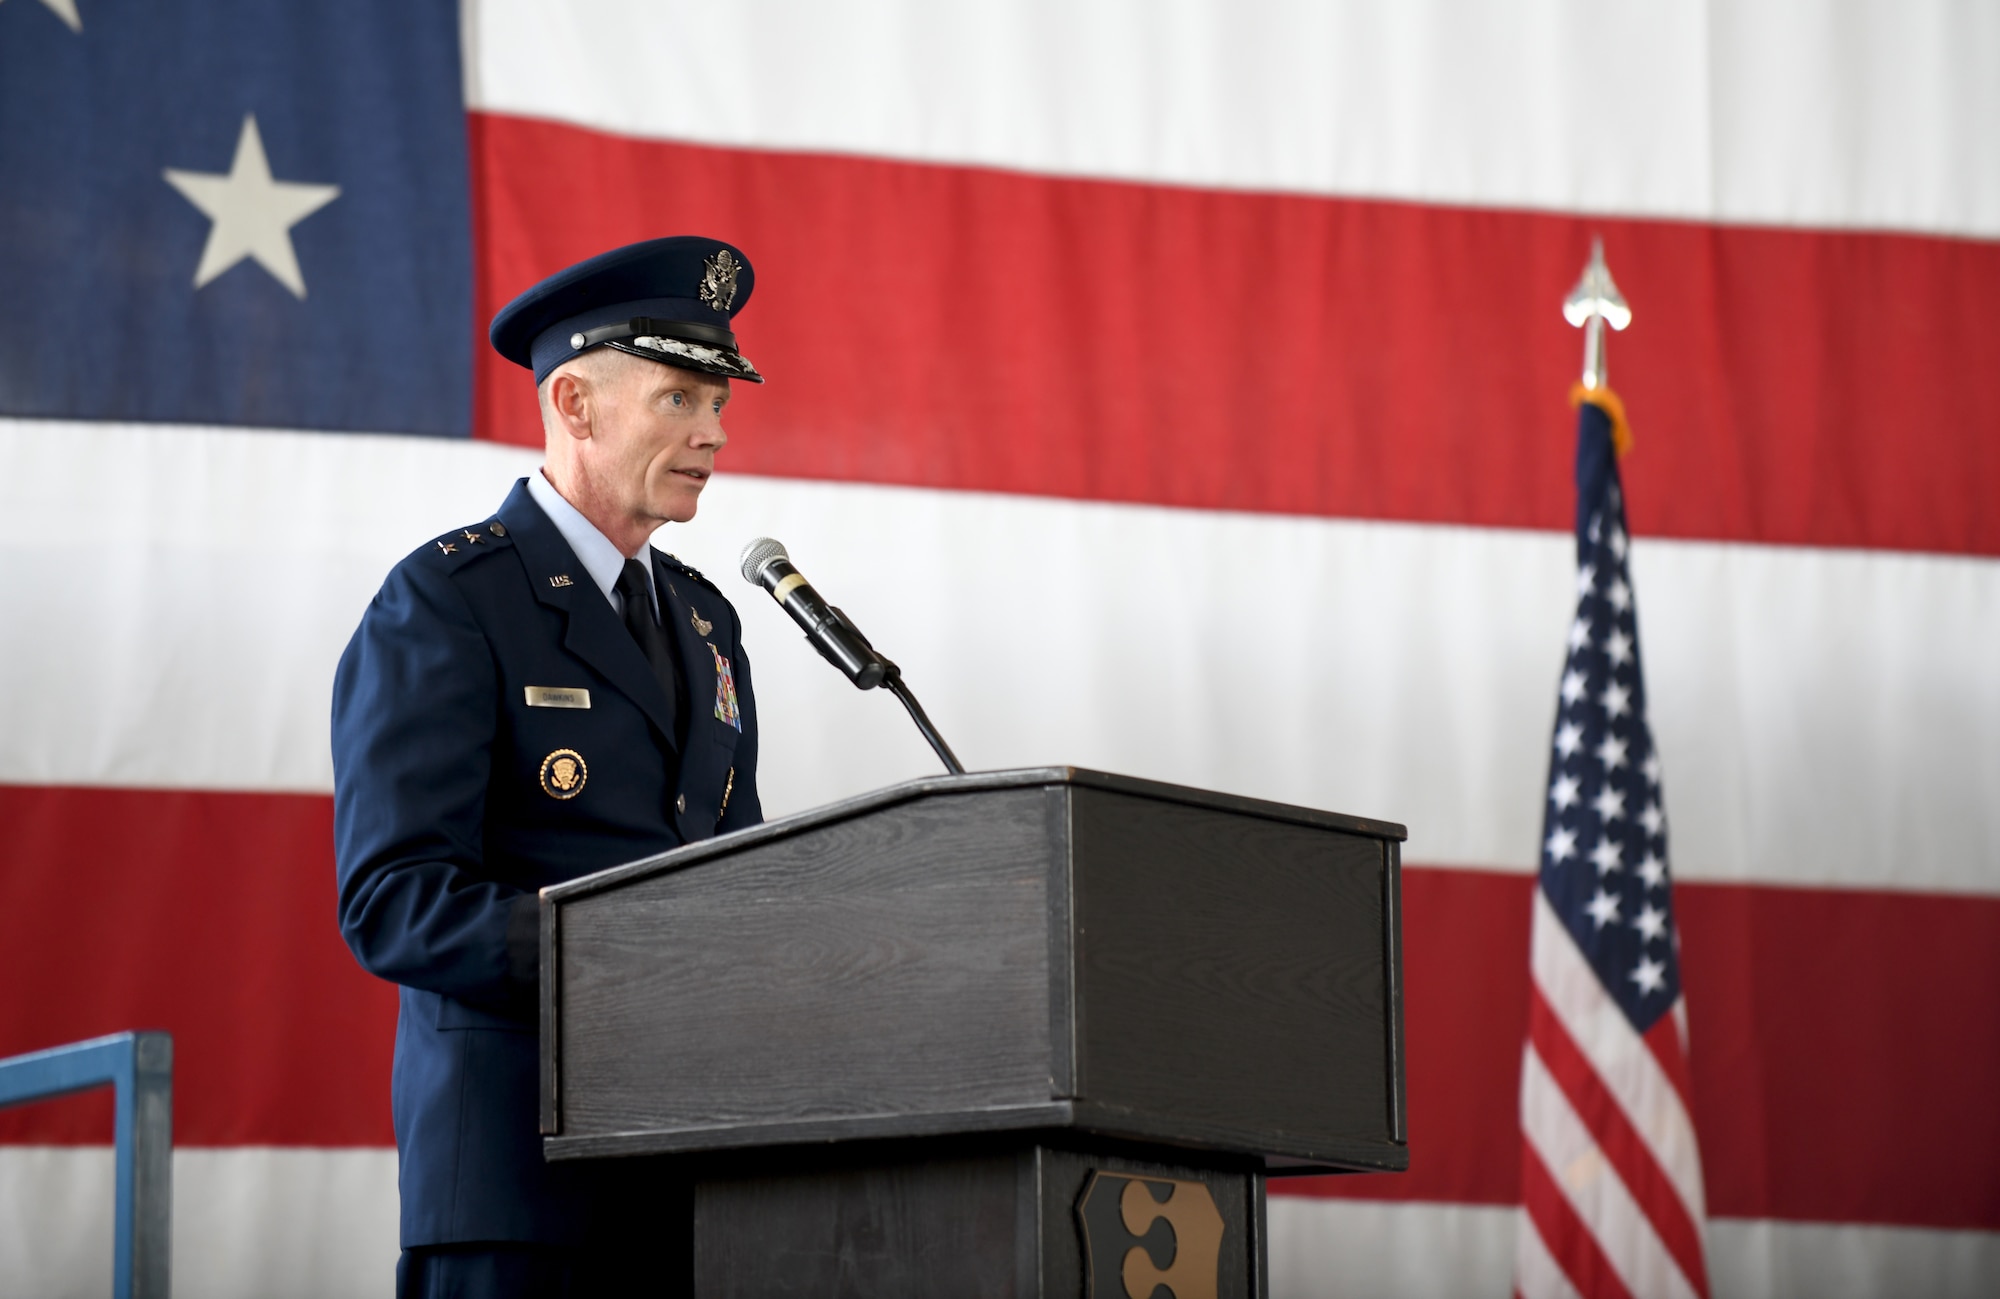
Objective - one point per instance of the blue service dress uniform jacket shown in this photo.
(459, 792)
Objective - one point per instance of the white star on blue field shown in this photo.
(253, 214)
(266, 206)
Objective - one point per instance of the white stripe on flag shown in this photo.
(205, 581)
(1743, 112)
(1594, 1190)
(1391, 1250)
(1617, 1055)
(250, 1222)
(321, 1224)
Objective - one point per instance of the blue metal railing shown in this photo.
(141, 1067)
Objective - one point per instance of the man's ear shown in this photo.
(569, 397)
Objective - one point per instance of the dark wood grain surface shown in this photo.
(972, 783)
(904, 1221)
(891, 963)
(548, 1007)
(1231, 970)
(762, 1133)
(916, 1230)
(978, 954)
(1392, 970)
(1062, 943)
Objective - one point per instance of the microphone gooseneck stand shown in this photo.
(766, 564)
(892, 677)
(896, 687)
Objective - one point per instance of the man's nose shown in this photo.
(709, 432)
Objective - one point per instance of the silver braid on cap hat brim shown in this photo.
(693, 356)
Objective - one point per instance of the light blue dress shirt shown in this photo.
(603, 561)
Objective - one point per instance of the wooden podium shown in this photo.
(1039, 1032)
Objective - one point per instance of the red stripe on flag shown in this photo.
(1629, 1155)
(1568, 1240)
(965, 328)
(1822, 1019)
(212, 916)
(1844, 1053)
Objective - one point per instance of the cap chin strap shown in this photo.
(646, 326)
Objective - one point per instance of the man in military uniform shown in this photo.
(531, 698)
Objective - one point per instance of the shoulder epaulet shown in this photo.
(691, 571)
(461, 544)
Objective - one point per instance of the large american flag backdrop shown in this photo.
(1177, 389)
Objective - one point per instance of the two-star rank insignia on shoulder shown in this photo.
(685, 567)
(462, 541)
(690, 570)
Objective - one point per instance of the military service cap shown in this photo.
(669, 300)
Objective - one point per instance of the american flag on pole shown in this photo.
(1610, 1171)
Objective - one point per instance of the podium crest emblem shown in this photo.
(563, 774)
(1144, 1234)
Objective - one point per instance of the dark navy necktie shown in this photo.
(653, 639)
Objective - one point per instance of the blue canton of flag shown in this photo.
(1604, 835)
(235, 212)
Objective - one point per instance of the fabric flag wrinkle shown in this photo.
(1611, 1212)
(1629, 1153)
(1611, 1168)
(1626, 1065)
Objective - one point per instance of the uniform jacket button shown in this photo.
(681, 803)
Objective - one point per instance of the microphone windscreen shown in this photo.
(759, 553)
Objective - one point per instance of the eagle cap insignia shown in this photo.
(718, 279)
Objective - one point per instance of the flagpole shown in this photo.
(1610, 1171)
(1591, 304)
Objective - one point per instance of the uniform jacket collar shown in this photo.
(592, 631)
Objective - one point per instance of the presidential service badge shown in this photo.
(563, 774)
(718, 279)
(725, 690)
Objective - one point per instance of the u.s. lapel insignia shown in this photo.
(563, 774)
(725, 691)
(718, 279)
(561, 580)
(702, 626)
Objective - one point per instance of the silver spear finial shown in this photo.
(1593, 301)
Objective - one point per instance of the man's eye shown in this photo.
(677, 399)
(718, 408)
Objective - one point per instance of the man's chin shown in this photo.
(680, 508)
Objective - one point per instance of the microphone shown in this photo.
(765, 563)
(839, 641)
